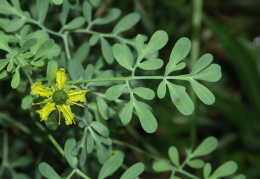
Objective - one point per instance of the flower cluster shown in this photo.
(59, 98)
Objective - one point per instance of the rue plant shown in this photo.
(38, 43)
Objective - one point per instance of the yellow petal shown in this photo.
(46, 110)
(60, 78)
(68, 115)
(38, 88)
(77, 95)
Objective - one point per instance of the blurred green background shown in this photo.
(229, 31)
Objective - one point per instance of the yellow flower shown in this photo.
(58, 97)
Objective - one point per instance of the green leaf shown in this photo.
(211, 74)
(95, 3)
(126, 23)
(103, 108)
(94, 39)
(144, 93)
(133, 172)
(196, 163)
(55, 51)
(161, 91)
(44, 48)
(102, 153)
(27, 102)
(112, 15)
(180, 50)
(64, 13)
(21, 162)
(121, 56)
(146, 118)
(26, 55)
(161, 166)
(206, 170)
(16, 79)
(87, 11)
(10, 65)
(57, 2)
(41, 37)
(180, 98)
(39, 63)
(203, 93)
(90, 143)
(3, 74)
(28, 44)
(152, 64)
(14, 25)
(202, 63)
(180, 66)
(42, 9)
(89, 71)
(7, 9)
(3, 63)
(51, 68)
(157, 41)
(82, 52)
(206, 147)
(107, 51)
(75, 23)
(100, 128)
(69, 145)
(139, 43)
(47, 171)
(75, 69)
(4, 43)
(111, 165)
(224, 170)
(126, 114)
(114, 92)
(174, 155)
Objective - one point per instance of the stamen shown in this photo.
(67, 89)
(59, 107)
(69, 101)
(47, 100)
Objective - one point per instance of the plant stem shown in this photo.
(181, 77)
(118, 142)
(82, 174)
(196, 23)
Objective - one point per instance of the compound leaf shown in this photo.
(126, 114)
(211, 74)
(203, 93)
(107, 51)
(179, 52)
(126, 22)
(161, 91)
(152, 64)
(146, 118)
(112, 15)
(75, 23)
(180, 98)
(69, 145)
(224, 170)
(202, 63)
(134, 171)
(174, 155)
(47, 171)
(121, 56)
(157, 41)
(206, 147)
(111, 165)
(100, 128)
(144, 93)
(114, 92)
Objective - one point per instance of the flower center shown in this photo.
(59, 97)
